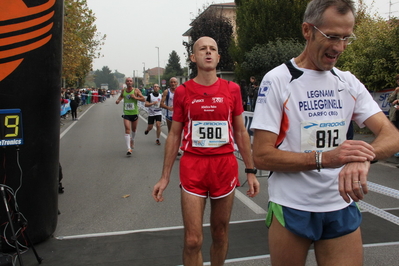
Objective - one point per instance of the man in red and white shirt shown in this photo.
(207, 110)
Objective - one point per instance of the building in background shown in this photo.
(151, 75)
(227, 10)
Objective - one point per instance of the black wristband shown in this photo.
(251, 171)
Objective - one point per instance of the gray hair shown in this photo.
(316, 8)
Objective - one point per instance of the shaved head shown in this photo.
(202, 40)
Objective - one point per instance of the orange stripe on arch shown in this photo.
(26, 36)
(7, 68)
(11, 9)
(24, 49)
(25, 24)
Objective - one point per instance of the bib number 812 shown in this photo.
(327, 138)
(210, 132)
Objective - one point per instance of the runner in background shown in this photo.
(167, 101)
(130, 96)
(154, 112)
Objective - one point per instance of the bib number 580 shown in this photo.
(210, 132)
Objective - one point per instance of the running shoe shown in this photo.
(129, 152)
(146, 132)
(158, 142)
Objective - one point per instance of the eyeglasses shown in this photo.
(336, 39)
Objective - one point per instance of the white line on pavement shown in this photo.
(66, 130)
(249, 203)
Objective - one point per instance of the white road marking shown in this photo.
(66, 130)
(249, 203)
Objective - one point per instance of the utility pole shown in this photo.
(159, 75)
(134, 78)
(144, 74)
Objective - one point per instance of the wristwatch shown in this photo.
(251, 171)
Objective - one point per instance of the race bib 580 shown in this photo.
(210, 134)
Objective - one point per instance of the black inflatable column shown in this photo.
(30, 80)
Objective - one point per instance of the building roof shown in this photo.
(154, 71)
(210, 8)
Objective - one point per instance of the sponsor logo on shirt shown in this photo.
(264, 88)
(217, 100)
(198, 143)
(197, 101)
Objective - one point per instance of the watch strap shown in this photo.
(251, 170)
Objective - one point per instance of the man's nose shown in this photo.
(340, 46)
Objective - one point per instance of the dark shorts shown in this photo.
(169, 118)
(316, 225)
(152, 119)
(131, 118)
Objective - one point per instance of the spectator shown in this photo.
(244, 94)
(83, 96)
(393, 99)
(75, 100)
(252, 91)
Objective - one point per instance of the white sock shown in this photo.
(127, 139)
(133, 134)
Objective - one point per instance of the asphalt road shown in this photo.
(98, 176)
(108, 194)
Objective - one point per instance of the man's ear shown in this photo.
(307, 30)
(192, 58)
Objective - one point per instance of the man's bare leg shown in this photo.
(220, 218)
(346, 250)
(286, 248)
(193, 213)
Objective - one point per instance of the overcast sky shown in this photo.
(135, 27)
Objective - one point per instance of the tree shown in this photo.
(260, 22)
(374, 56)
(263, 58)
(173, 68)
(106, 76)
(119, 75)
(81, 41)
(218, 27)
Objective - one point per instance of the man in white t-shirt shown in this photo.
(302, 115)
(153, 102)
(167, 100)
(167, 103)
